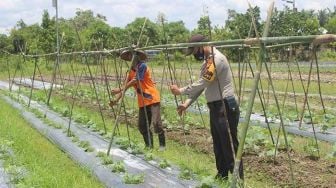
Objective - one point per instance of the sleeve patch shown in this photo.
(209, 72)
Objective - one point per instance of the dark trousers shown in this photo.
(153, 117)
(220, 135)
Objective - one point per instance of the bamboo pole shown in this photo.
(33, 79)
(239, 154)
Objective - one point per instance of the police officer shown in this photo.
(216, 80)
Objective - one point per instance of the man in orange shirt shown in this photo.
(147, 94)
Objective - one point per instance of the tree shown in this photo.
(25, 39)
(331, 25)
(240, 24)
(151, 31)
(47, 35)
(4, 42)
(21, 24)
(99, 35)
(46, 22)
(292, 23)
(177, 32)
(322, 17)
(203, 26)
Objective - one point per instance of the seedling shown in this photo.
(207, 182)
(149, 156)
(186, 174)
(164, 164)
(101, 154)
(106, 160)
(135, 149)
(86, 146)
(133, 179)
(117, 167)
(311, 150)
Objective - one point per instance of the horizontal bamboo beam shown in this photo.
(273, 42)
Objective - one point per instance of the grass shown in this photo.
(47, 166)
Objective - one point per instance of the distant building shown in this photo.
(152, 53)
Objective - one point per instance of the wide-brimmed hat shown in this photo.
(127, 55)
(195, 38)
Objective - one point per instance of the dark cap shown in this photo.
(195, 38)
(127, 55)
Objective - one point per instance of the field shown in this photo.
(84, 96)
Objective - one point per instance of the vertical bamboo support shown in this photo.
(42, 79)
(262, 104)
(33, 79)
(95, 91)
(292, 83)
(319, 81)
(73, 104)
(9, 74)
(197, 103)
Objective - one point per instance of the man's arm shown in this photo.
(192, 96)
(119, 92)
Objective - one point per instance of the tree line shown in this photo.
(90, 31)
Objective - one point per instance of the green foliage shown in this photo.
(65, 112)
(45, 165)
(135, 149)
(164, 164)
(293, 23)
(86, 146)
(207, 182)
(332, 154)
(311, 149)
(177, 32)
(16, 173)
(117, 167)
(331, 25)
(122, 142)
(239, 24)
(95, 33)
(186, 174)
(203, 26)
(101, 154)
(327, 55)
(133, 179)
(151, 31)
(106, 160)
(149, 156)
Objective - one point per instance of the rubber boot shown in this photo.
(162, 141)
(145, 137)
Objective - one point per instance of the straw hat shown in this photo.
(127, 55)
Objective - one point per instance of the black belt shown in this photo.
(227, 100)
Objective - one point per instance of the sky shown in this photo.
(121, 12)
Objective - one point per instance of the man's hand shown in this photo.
(112, 103)
(175, 89)
(181, 109)
(115, 91)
